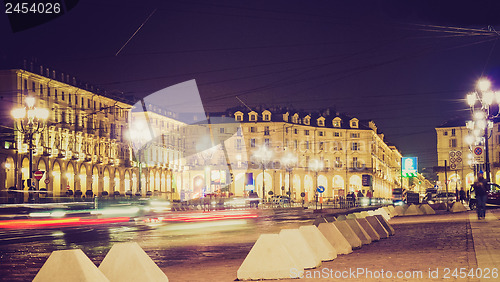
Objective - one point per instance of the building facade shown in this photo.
(84, 145)
(97, 142)
(346, 148)
(460, 166)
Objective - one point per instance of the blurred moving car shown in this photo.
(280, 200)
(493, 196)
(445, 197)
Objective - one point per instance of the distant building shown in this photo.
(452, 148)
(348, 148)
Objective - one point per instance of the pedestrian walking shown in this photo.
(462, 195)
(369, 195)
(480, 188)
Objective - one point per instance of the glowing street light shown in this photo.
(264, 155)
(480, 102)
(316, 165)
(483, 84)
(140, 135)
(289, 160)
(29, 121)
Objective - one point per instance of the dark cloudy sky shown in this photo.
(401, 63)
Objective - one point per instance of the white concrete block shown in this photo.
(341, 217)
(348, 233)
(319, 244)
(268, 259)
(379, 228)
(69, 265)
(386, 224)
(129, 262)
(333, 235)
(351, 216)
(360, 232)
(388, 210)
(391, 209)
(426, 209)
(458, 207)
(299, 248)
(384, 213)
(399, 211)
(413, 210)
(368, 229)
(318, 220)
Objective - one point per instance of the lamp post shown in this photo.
(316, 165)
(263, 154)
(480, 102)
(29, 120)
(289, 160)
(139, 135)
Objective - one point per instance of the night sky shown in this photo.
(407, 67)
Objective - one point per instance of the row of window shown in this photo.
(295, 119)
(73, 99)
(453, 132)
(355, 146)
(307, 132)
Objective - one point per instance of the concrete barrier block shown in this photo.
(348, 233)
(333, 235)
(388, 211)
(379, 228)
(341, 217)
(426, 209)
(357, 215)
(399, 211)
(319, 244)
(368, 229)
(330, 218)
(383, 213)
(413, 210)
(360, 232)
(391, 209)
(69, 265)
(129, 262)
(351, 216)
(365, 213)
(386, 224)
(299, 248)
(458, 207)
(318, 220)
(268, 259)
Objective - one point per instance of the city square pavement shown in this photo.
(441, 247)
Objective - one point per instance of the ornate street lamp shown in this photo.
(140, 135)
(263, 154)
(29, 120)
(316, 165)
(480, 102)
(288, 161)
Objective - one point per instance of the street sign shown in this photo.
(47, 181)
(478, 154)
(366, 180)
(409, 167)
(455, 159)
(38, 174)
(320, 189)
